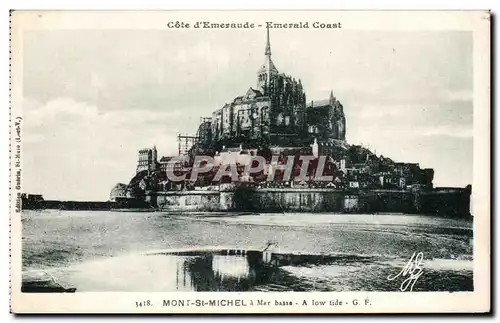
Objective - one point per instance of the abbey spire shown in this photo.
(268, 45)
(332, 98)
(267, 70)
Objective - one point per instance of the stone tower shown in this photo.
(148, 159)
(155, 158)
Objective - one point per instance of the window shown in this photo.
(313, 129)
(279, 119)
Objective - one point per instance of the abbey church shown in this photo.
(273, 118)
(273, 114)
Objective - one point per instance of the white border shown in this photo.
(436, 4)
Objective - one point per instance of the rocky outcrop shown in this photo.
(119, 190)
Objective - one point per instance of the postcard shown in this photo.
(250, 162)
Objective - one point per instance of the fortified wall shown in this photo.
(444, 202)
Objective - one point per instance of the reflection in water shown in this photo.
(236, 266)
(240, 270)
(219, 270)
(247, 270)
(224, 271)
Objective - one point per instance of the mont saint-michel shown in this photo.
(272, 149)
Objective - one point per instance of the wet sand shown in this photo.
(113, 251)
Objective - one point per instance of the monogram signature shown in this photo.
(411, 272)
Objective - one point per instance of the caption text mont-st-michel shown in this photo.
(251, 25)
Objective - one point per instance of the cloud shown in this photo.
(73, 150)
(459, 131)
(66, 109)
(123, 69)
(379, 111)
(52, 111)
(461, 95)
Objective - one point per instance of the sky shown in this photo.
(92, 99)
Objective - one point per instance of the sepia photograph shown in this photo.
(192, 155)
